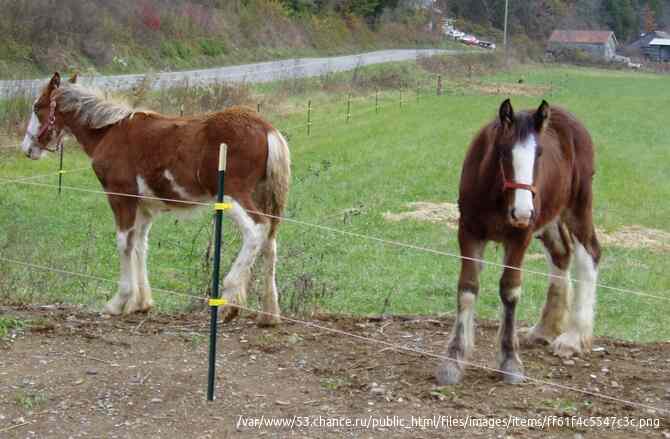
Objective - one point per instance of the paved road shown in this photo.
(259, 72)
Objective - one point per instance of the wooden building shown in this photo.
(600, 44)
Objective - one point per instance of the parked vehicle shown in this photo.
(486, 45)
(470, 40)
(455, 34)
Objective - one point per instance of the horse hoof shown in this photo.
(112, 310)
(144, 309)
(569, 344)
(146, 306)
(536, 336)
(131, 308)
(449, 373)
(264, 320)
(512, 371)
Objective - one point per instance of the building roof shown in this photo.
(645, 38)
(660, 42)
(581, 36)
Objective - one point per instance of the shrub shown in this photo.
(198, 99)
(466, 65)
(14, 112)
(212, 47)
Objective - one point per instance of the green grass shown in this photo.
(9, 323)
(30, 401)
(378, 163)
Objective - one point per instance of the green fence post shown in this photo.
(309, 117)
(60, 167)
(348, 107)
(214, 301)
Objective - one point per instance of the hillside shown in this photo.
(126, 36)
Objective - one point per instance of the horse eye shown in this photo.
(539, 151)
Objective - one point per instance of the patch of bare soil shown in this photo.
(632, 237)
(636, 237)
(513, 89)
(446, 213)
(75, 374)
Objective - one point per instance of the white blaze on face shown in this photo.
(28, 144)
(523, 160)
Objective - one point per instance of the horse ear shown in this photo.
(55, 81)
(541, 117)
(506, 113)
(73, 78)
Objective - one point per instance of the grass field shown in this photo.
(347, 176)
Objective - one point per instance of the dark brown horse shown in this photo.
(144, 154)
(528, 174)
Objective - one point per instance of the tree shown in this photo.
(621, 18)
(648, 19)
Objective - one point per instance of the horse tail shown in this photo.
(278, 177)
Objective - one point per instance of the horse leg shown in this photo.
(144, 300)
(510, 291)
(270, 301)
(125, 211)
(462, 337)
(556, 241)
(254, 234)
(577, 338)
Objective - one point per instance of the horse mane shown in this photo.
(90, 106)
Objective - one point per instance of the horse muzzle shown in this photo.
(34, 153)
(521, 219)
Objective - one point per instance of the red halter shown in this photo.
(49, 127)
(507, 185)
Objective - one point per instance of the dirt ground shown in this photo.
(72, 374)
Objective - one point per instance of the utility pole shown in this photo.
(505, 32)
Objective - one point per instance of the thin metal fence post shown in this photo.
(376, 100)
(348, 107)
(258, 108)
(60, 168)
(439, 85)
(214, 301)
(401, 96)
(309, 117)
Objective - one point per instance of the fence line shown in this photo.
(4, 181)
(452, 255)
(374, 107)
(364, 237)
(362, 98)
(296, 127)
(395, 347)
(323, 123)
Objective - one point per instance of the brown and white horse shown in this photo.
(528, 174)
(145, 154)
